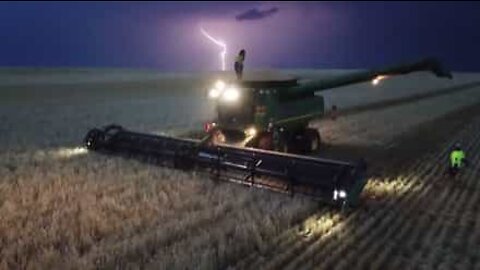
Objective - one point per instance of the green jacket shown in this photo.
(456, 158)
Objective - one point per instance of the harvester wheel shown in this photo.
(313, 140)
(265, 141)
(283, 145)
(218, 137)
(94, 139)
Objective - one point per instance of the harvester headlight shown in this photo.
(220, 85)
(339, 194)
(231, 94)
(251, 132)
(214, 93)
(217, 90)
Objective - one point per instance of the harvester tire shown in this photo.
(284, 146)
(313, 140)
(94, 139)
(265, 141)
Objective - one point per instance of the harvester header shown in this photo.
(330, 181)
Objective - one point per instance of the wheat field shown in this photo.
(62, 207)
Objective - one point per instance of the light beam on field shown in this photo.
(58, 153)
(70, 152)
(219, 43)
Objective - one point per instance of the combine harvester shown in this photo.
(261, 137)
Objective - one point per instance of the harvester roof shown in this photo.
(264, 79)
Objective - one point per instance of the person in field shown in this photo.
(239, 64)
(457, 160)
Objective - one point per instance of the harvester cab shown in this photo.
(255, 116)
(248, 114)
(273, 112)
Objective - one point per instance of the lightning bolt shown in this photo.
(219, 43)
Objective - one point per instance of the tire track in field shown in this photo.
(331, 242)
(377, 226)
(353, 217)
(416, 224)
(290, 241)
(410, 207)
(350, 217)
(457, 214)
(451, 217)
(286, 235)
(408, 240)
(249, 259)
(367, 239)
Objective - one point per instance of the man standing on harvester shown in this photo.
(457, 160)
(239, 64)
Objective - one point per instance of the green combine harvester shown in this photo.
(274, 114)
(261, 138)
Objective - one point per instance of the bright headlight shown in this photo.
(220, 85)
(339, 194)
(214, 93)
(251, 132)
(217, 90)
(231, 94)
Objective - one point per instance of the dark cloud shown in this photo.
(256, 14)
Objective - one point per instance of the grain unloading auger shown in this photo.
(257, 121)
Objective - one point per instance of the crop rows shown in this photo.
(422, 219)
(64, 208)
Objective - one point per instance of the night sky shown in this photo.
(166, 35)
